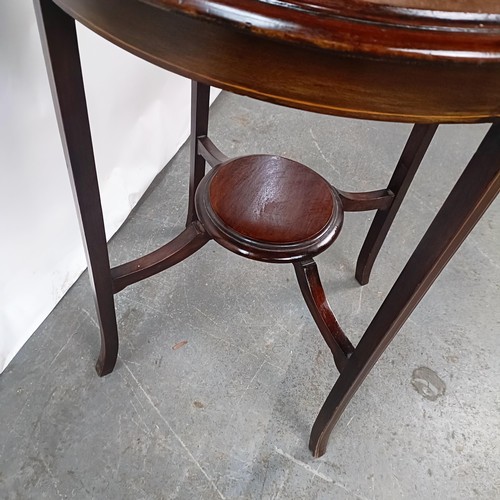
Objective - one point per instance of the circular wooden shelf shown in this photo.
(269, 208)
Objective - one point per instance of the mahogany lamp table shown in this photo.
(418, 61)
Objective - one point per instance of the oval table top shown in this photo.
(418, 61)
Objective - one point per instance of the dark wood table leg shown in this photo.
(411, 158)
(315, 298)
(200, 101)
(60, 45)
(471, 196)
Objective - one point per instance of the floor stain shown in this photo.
(428, 383)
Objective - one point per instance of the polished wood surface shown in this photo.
(173, 252)
(335, 60)
(271, 199)
(59, 41)
(418, 29)
(406, 168)
(314, 295)
(268, 208)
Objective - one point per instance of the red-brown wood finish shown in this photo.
(200, 97)
(269, 208)
(213, 156)
(58, 34)
(419, 61)
(315, 298)
(442, 70)
(173, 252)
(406, 168)
(271, 199)
(417, 29)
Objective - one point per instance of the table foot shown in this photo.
(109, 351)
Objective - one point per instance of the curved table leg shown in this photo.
(200, 101)
(411, 158)
(60, 46)
(314, 295)
(471, 196)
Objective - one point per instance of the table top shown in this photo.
(418, 61)
(430, 29)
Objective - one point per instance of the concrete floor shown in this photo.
(221, 370)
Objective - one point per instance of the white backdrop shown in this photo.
(139, 118)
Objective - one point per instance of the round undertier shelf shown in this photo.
(269, 208)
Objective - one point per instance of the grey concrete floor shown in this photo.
(222, 372)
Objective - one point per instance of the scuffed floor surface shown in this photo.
(222, 372)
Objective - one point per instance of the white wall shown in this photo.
(139, 118)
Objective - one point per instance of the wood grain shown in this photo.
(271, 199)
(332, 56)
